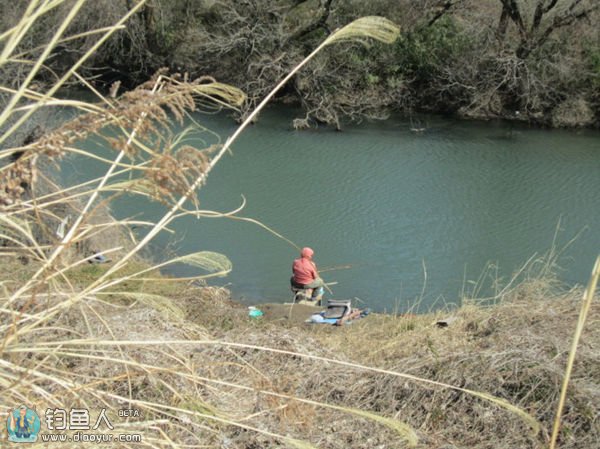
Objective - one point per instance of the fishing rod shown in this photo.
(335, 267)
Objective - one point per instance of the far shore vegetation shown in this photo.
(536, 61)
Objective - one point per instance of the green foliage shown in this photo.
(421, 53)
(592, 59)
(301, 14)
(167, 38)
(364, 67)
(84, 274)
(372, 79)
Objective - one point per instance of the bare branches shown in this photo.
(547, 17)
(543, 7)
(441, 9)
(511, 8)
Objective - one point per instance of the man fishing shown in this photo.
(306, 275)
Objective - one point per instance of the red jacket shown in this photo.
(305, 271)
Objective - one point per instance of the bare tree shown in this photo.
(546, 17)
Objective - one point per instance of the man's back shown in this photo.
(304, 271)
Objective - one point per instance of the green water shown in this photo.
(417, 216)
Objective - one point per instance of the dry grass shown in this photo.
(200, 371)
(515, 350)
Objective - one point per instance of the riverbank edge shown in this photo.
(572, 118)
(533, 322)
(540, 121)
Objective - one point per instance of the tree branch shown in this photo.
(441, 9)
(511, 8)
(566, 19)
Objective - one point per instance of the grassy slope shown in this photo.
(515, 350)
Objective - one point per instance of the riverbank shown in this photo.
(190, 358)
(515, 351)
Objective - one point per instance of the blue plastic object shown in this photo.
(253, 312)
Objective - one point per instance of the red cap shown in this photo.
(307, 252)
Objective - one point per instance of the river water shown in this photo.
(417, 216)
